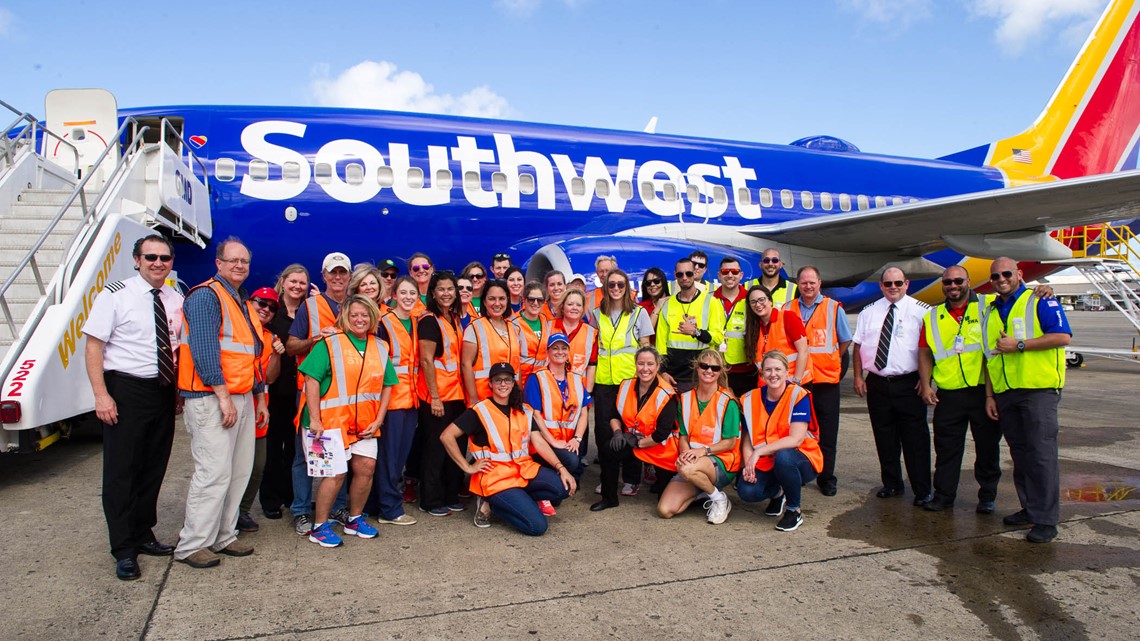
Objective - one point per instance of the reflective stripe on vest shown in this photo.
(689, 404)
(674, 313)
(954, 370)
(764, 428)
(501, 453)
(617, 359)
(404, 352)
(581, 346)
(632, 416)
(1035, 369)
(823, 343)
(338, 394)
(489, 351)
(447, 380)
(553, 411)
(734, 352)
(237, 342)
(777, 339)
(532, 349)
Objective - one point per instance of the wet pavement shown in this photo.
(859, 568)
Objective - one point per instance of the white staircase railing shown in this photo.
(1108, 276)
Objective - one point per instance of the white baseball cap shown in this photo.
(334, 260)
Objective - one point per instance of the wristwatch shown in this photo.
(1021, 346)
(708, 451)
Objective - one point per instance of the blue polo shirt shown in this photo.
(1049, 312)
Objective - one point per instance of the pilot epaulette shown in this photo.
(115, 286)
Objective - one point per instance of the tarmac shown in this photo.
(858, 568)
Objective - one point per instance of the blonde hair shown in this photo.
(711, 354)
(358, 299)
(295, 268)
(776, 355)
(358, 277)
(574, 292)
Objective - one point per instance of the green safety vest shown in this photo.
(707, 310)
(955, 369)
(1037, 369)
(734, 352)
(617, 347)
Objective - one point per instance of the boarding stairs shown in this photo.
(69, 215)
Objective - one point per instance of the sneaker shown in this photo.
(790, 521)
(409, 490)
(403, 519)
(718, 510)
(437, 511)
(340, 516)
(650, 474)
(201, 559)
(482, 517)
(456, 507)
(303, 524)
(360, 527)
(1017, 519)
(237, 547)
(1041, 534)
(246, 523)
(598, 490)
(776, 505)
(547, 508)
(324, 536)
(629, 489)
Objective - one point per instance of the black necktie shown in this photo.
(162, 339)
(885, 339)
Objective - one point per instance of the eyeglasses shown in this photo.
(688, 274)
(770, 261)
(758, 301)
(166, 258)
(421, 268)
(388, 275)
(466, 288)
(476, 276)
(501, 257)
(996, 276)
(650, 282)
(616, 285)
(953, 281)
(265, 304)
(729, 272)
(235, 261)
(502, 380)
(709, 367)
(535, 299)
(894, 283)
(700, 265)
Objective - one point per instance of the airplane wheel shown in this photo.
(1075, 360)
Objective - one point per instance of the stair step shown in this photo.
(47, 212)
(30, 225)
(51, 196)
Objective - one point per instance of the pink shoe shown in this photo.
(547, 508)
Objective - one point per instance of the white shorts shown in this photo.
(365, 447)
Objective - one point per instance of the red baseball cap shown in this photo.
(266, 293)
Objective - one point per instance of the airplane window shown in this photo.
(225, 169)
(862, 200)
(880, 201)
(385, 177)
(259, 170)
(720, 197)
(498, 182)
(602, 188)
(765, 197)
(291, 171)
(845, 202)
(896, 200)
(578, 186)
(647, 191)
(471, 181)
(669, 192)
(443, 179)
(354, 173)
(693, 193)
(625, 189)
(743, 196)
(807, 199)
(415, 177)
(825, 201)
(526, 184)
(787, 199)
(323, 173)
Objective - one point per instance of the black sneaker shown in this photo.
(790, 521)
(776, 505)
(1017, 519)
(340, 516)
(1041, 534)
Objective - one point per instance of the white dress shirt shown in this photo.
(902, 358)
(123, 317)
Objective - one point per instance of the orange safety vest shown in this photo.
(547, 313)
(776, 339)
(470, 310)
(560, 415)
(448, 381)
(581, 345)
(491, 348)
(823, 341)
(404, 350)
(236, 340)
(352, 400)
(263, 367)
(320, 315)
(508, 449)
(704, 428)
(767, 428)
(642, 421)
(533, 347)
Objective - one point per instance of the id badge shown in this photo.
(959, 344)
(1019, 328)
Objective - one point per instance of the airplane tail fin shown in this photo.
(1091, 125)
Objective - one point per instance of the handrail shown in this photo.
(29, 134)
(165, 125)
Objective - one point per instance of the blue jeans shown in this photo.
(395, 443)
(517, 505)
(789, 473)
(572, 461)
(303, 485)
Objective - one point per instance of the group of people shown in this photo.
(444, 385)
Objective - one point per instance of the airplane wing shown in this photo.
(973, 224)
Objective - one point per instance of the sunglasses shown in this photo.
(700, 265)
(894, 283)
(996, 276)
(535, 299)
(617, 284)
(466, 288)
(166, 258)
(388, 275)
(421, 268)
(770, 261)
(709, 367)
(688, 274)
(729, 272)
(757, 301)
(476, 276)
(501, 257)
(266, 304)
(953, 281)
(650, 282)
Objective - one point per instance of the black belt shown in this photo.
(137, 379)
(896, 377)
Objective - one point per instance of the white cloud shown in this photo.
(895, 13)
(1021, 21)
(6, 20)
(380, 85)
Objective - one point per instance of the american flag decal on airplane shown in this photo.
(1022, 155)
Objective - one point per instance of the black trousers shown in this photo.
(825, 402)
(956, 410)
(440, 478)
(277, 479)
(629, 466)
(135, 453)
(898, 420)
(1029, 423)
(741, 382)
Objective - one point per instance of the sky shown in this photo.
(917, 78)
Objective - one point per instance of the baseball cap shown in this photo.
(501, 368)
(266, 293)
(577, 277)
(557, 337)
(387, 264)
(334, 260)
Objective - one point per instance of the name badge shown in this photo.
(1019, 328)
(959, 344)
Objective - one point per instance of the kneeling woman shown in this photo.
(781, 450)
(349, 378)
(507, 481)
(709, 428)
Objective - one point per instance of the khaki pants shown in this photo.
(223, 459)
